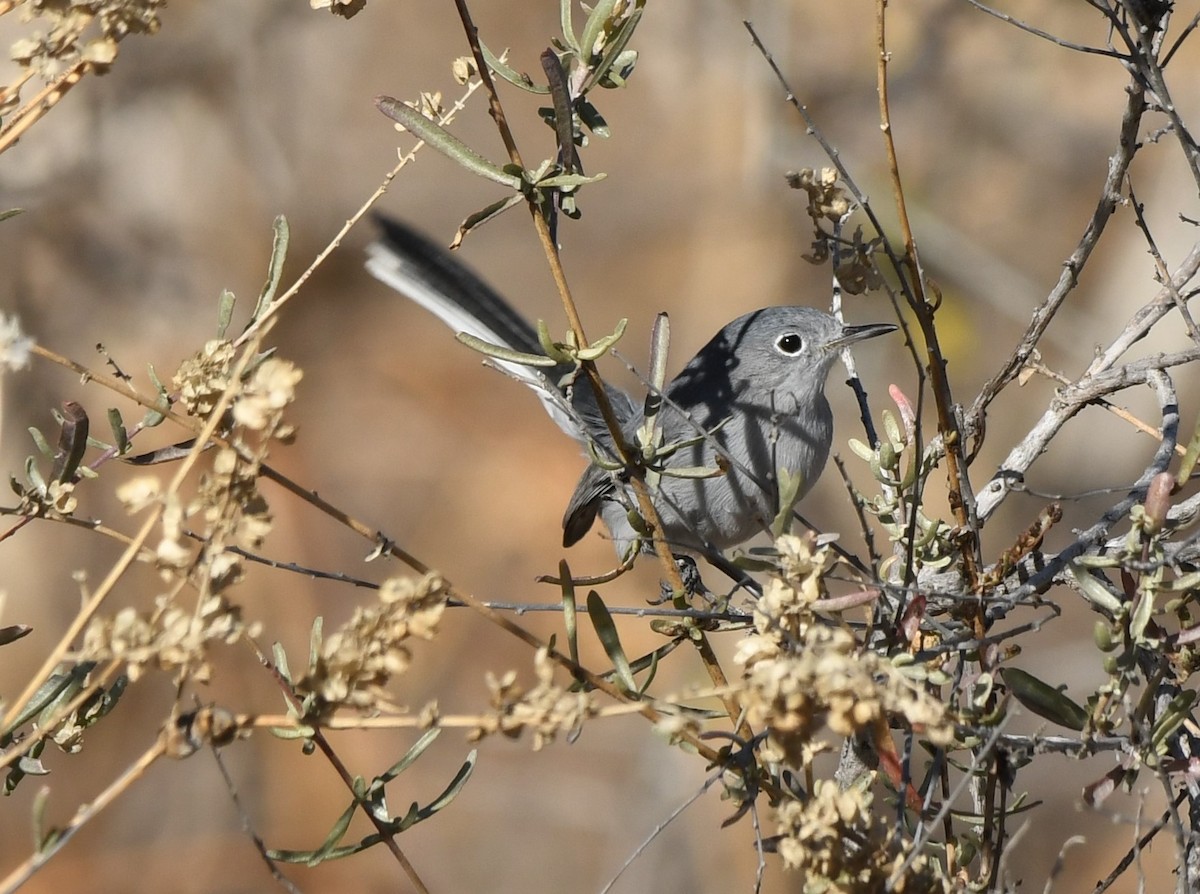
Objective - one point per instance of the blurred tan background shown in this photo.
(151, 189)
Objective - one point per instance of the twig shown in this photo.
(1110, 198)
(272, 310)
(1164, 275)
(83, 815)
(1045, 35)
(1066, 403)
(127, 558)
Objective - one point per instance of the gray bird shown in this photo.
(750, 403)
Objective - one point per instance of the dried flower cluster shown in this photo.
(801, 675)
(203, 377)
(548, 709)
(170, 638)
(266, 391)
(826, 200)
(830, 202)
(840, 845)
(353, 665)
(62, 38)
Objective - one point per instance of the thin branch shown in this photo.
(1046, 35)
(1110, 198)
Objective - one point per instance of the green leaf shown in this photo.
(1044, 700)
(225, 305)
(314, 641)
(568, 28)
(443, 141)
(606, 630)
(570, 619)
(336, 834)
(502, 353)
(281, 662)
(34, 476)
(1143, 610)
(597, 22)
(416, 815)
(568, 181)
(1188, 463)
(58, 689)
(117, 424)
(410, 756)
(279, 248)
(13, 212)
(40, 442)
(510, 74)
(619, 65)
(1177, 711)
(483, 215)
(158, 414)
(1093, 590)
(789, 492)
(43, 837)
(604, 343)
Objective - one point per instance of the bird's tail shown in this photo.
(415, 266)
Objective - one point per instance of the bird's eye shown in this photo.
(789, 343)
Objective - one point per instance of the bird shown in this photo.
(749, 406)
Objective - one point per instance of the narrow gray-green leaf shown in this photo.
(596, 23)
(568, 27)
(117, 424)
(336, 834)
(1143, 610)
(570, 619)
(314, 640)
(502, 353)
(34, 476)
(1093, 590)
(410, 756)
(510, 74)
(1177, 711)
(1188, 463)
(225, 305)
(281, 662)
(451, 791)
(40, 442)
(274, 269)
(789, 492)
(41, 837)
(1044, 700)
(443, 141)
(606, 630)
(484, 215)
(568, 181)
(50, 692)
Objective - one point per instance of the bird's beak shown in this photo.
(851, 334)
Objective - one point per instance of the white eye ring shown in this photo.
(790, 344)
